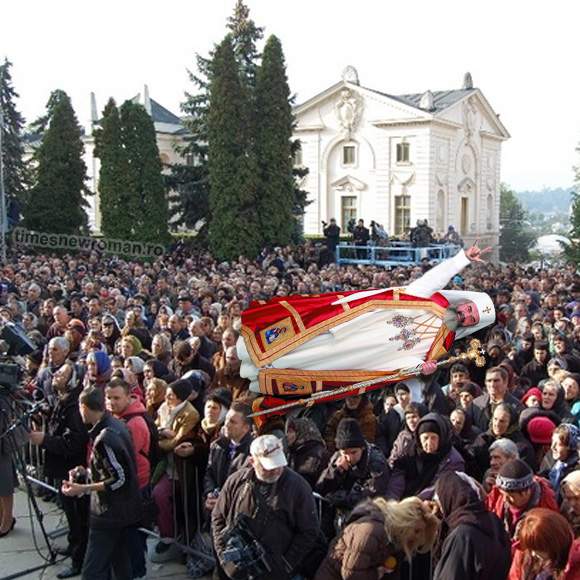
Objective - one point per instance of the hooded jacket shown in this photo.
(307, 455)
(133, 418)
(473, 543)
(417, 472)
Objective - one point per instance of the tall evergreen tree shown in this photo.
(191, 181)
(146, 194)
(232, 167)
(573, 251)
(16, 177)
(275, 202)
(516, 238)
(56, 202)
(116, 205)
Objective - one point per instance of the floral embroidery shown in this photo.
(400, 321)
(409, 338)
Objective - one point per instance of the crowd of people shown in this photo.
(146, 425)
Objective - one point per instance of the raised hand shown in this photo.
(475, 253)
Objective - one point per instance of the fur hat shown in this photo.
(515, 475)
(349, 435)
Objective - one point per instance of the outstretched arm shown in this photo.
(438, 277)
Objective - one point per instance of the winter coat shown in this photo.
(473, 542)
(221, 464)
(66, 438)
(307, 455)
(481, 409)
(368, 478)
(282, 518)
(416, 472)
(141, 438)
(360, 549)
(182, 425)
(363, 414)
(404, 442)
(388, 428)
(112, 461)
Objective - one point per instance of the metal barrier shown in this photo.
(395, 254)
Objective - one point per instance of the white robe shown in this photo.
(371, 341)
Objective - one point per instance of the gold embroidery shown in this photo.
(295, 315)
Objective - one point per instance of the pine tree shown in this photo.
(56, 202)
(146, 196)
(191, 182)
(117, 214)
(274, 147)
(573, 250)
(16, 175)
(516, 238)
(232, 167)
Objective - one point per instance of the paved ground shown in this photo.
(17, 551)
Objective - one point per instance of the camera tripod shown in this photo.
(19, 463)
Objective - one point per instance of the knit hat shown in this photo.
(428, 426)
(540, 430)
(514, 475)
(349, 435)
(533, 392)
(222, 396)
(182, 389)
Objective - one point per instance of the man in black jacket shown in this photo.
(112, 483)
(332, 234)
(277, 506)
(496, 384)
(537, 369)
(65, 443)
(228, 453)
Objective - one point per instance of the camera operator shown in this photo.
(332, 234)
(8, 479)
(65, 441)
(361, 237)
(112, 482)
(264, 522)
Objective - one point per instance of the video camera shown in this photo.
(18, 345)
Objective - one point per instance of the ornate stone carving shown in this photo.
(350, 75)
(469, 118)
(466, 163)
(348, 110)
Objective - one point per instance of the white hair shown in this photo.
(60, 342)
(507, 447)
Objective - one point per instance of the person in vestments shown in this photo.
(298, 345)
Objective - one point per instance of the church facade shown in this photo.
(395, 159)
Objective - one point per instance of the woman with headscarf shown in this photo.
(111, 332)
(378, 537)
(307, 454)
(154, 369)
(155, 396)
(563, 456)
(98, 370)
(472, 541)
(431, 455)
(136, 365)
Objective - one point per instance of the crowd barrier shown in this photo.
(395, 254)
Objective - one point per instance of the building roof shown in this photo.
(160, 114)
(441, 99)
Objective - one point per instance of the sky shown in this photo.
(522, 55)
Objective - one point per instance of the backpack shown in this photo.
(154, 455)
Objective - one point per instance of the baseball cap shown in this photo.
(268, 450)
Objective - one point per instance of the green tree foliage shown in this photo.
(56, 202)
(515, 238)
(275, 202)
(191, 181)
(232, 167)
(573, 251)
(16, 175)
(146, 200)
(117, 206)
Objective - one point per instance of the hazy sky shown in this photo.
(523, 55)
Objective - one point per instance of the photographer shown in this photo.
(65, 441)
(264, 522)
(111, 480)
(332, 234)
(360, 237)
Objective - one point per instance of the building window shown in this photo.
(348, 210)
(298, 155)
(402, 214)
(349, 155)
(403, 152)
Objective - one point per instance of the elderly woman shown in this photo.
(570, 508)
(379, 535)
(176, 420)
(155, 396)
(161, 348)
(563, 456)
(307, 454)
(98, 370)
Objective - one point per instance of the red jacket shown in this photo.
(141, 440)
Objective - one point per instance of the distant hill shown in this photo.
(547, 200)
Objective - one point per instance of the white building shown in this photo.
(170, 133)
(398, 158)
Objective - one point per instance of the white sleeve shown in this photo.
(438, 277)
